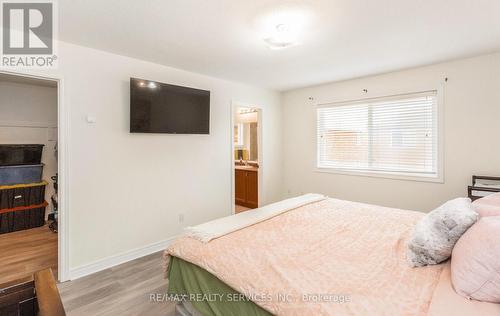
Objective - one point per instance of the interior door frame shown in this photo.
(62, 169)
(234, 106)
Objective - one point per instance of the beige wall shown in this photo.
(471, 133)
(126, 191)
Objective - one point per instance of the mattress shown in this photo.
(189, 279)
(328, 247)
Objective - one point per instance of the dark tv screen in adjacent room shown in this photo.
(164, 108)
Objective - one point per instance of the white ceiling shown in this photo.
(340, 39)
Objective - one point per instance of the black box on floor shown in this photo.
(22, 195)
(21, 218)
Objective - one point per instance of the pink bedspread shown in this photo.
(307, 260)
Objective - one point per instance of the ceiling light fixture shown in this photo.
(247, 110)
(152, 85)
(282, 37)
(284, 26)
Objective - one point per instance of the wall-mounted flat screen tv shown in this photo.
(164, 108)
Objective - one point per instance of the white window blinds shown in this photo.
(387, 135)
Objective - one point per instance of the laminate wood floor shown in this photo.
(121, 290)
(27, 251)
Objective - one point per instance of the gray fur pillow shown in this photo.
(437, 232)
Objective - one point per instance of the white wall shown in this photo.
(29, 116)
(127, 190)
(471, 133)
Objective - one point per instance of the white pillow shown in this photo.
(437, 232)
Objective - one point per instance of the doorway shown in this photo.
(30, 151)
(246, 157)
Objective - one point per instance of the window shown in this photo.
(393, 135)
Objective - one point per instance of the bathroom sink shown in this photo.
(245, 167)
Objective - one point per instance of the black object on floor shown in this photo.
(53, 217)
(22, 195)
(21, 218)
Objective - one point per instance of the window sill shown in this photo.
(384, 175)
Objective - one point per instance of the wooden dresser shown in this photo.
(35, 295)
(247, 186)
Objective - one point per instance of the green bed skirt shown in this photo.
(208, 294)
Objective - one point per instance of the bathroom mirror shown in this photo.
(246, 135)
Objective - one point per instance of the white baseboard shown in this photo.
(87, 269)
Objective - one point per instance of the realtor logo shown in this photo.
(28, 34)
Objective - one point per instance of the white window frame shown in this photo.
(438, 178)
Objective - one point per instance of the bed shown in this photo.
(310, 256)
